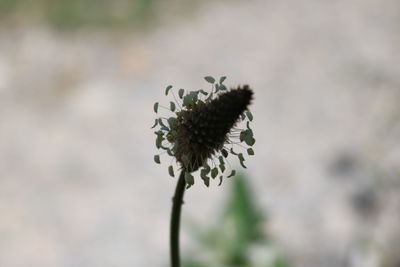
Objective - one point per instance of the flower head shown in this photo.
(203, 130)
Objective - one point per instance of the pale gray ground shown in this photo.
(78, 186)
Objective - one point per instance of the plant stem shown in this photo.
(177, 202)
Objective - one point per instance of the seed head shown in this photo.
(203, 129)
(200, 131)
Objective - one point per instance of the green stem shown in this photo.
(177, 202)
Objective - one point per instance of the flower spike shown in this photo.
(201, 131)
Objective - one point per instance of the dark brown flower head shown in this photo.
(203, 128)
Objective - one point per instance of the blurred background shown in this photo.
(78, 79)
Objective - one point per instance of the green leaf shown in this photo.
(181, 92)
(171, 171)
(209, 79)
(243, 212)
(172, 106)
(155, 107)
(157, 159)
(169, 87)
(233, 173)
(189, 179)
(155, 124)
(249, 115)
(280, 261)
(222, 79)
(214, 173)
(241, 160)
(205, 178)
(250, 151)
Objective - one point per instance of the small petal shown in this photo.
(220, 180)
(169, 87)
(189, 179)
(171, 171)
(157, 159)
(206, 179)
(249, 115)
(209, 79)
(155, 124)
(155, 107)
(172, 106)
(250, 151)
(222, 167)
(214, 173)
(181, 92)
(241, 160)
(233, 173)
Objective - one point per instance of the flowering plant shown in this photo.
(201, 135)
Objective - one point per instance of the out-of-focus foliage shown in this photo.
(72, 14)
(237, 239)
(75, 13)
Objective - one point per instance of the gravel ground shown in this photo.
(78, 185)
